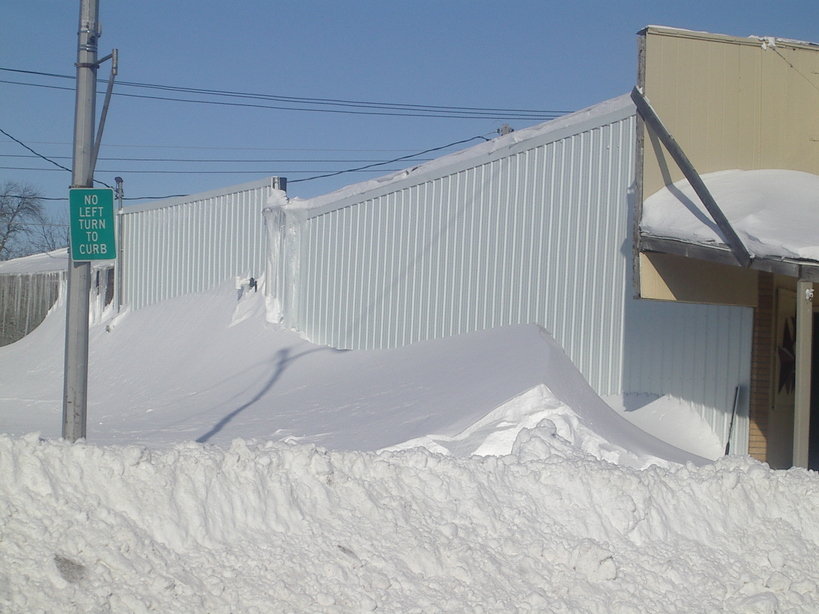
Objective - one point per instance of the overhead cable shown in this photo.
(402, 158)
(36, 153)
(221, 160)
(327, 105)
(47, 159)
(365, 168)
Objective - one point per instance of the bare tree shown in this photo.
(24, 226)
(49, 234)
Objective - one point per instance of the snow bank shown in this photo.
(249, 475)
(294, 528)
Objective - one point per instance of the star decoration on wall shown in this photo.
(787, 357)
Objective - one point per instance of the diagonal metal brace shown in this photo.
(114, 57)
(649, 115)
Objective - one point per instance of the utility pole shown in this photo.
(120, 194)
(75, 391)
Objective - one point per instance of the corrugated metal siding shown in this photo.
(694, 352)
(538, 233)
(25, 299)
(187, 245)
(532, 236)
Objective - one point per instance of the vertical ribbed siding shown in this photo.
(186, 246)
(539, 234)
(694, 352)
(25, 299)
(533, 236)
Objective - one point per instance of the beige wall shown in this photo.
(675, 278)
(730, 103)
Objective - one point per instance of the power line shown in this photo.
(38, 197)
(302, 99)
(328, 105)
(323, 175)
(47, 159)
(366, 168)
(221, 160)
(429, 113)
(197, 172)
(36, 153)
(226, 148)
(404, 158)
(290, 103)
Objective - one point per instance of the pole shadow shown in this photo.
(281, 360)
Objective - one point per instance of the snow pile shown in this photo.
(773, 211)
(232, 466)
(273, 527)
(497, 433)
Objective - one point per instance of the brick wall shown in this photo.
(761, 368)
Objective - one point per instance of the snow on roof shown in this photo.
(47, 262)
(775, 212)
(553, 130)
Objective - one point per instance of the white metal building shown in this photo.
(532, 227)
(166, 248)
(193, 243)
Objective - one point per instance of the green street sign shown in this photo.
(92, 224)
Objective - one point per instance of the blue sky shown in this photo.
(545, 56)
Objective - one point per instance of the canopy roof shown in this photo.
(774, 212)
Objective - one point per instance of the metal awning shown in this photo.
(774, 213)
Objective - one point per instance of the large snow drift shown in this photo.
(209, 368)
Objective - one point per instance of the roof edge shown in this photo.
(606, 112)
(721, 254)
(270, 182)
(751, 39)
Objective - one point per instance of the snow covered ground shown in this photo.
(232, 466)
